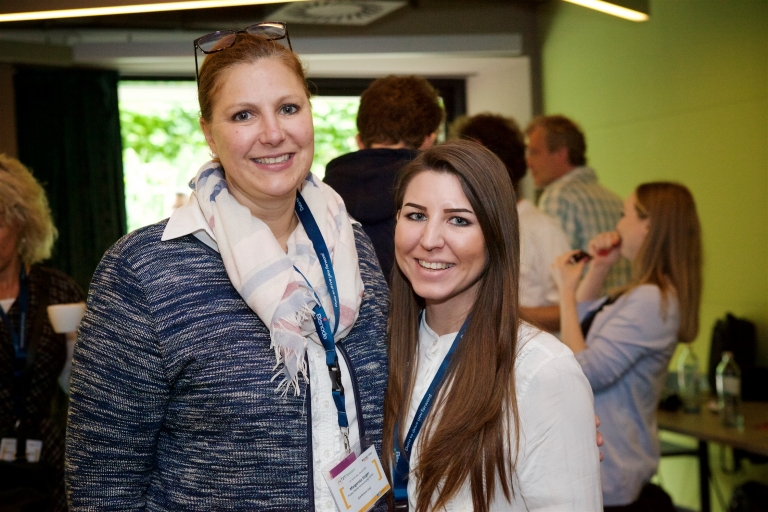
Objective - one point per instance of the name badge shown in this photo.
(8, 449)
(358, 481)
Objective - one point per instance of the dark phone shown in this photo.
(579, 256)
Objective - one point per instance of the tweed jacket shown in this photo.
(172, 407)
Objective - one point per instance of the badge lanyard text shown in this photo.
(320, 319)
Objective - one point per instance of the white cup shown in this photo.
(66, 317)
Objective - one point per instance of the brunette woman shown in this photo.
(482, 411)
(624, 342)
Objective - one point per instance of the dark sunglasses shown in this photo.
(223, 39)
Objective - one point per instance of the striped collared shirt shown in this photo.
(585, 208)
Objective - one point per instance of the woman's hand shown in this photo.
(567, 273)
(599, 436)
(604, 248)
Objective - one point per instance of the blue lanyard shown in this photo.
(19, 336)
(320, 319)
(402, 459)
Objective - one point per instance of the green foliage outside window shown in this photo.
(161, 137)
(335, 129)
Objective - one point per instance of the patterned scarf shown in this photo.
(266, 276)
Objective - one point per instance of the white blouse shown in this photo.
(558, 465)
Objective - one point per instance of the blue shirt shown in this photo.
(628, 350)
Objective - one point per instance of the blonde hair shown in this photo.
(670, 256)
(24, 206)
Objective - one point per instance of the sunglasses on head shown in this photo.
(223, 39)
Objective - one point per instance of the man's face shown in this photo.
(545, 166)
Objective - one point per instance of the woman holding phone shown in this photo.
(482, 411)
(624, 341)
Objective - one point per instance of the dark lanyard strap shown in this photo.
(402, 459)
(320, 319)
(318, 242)
(586, 324)
(19, 335)
(19, 338)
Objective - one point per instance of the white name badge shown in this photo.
(358, 481)
(8, 449)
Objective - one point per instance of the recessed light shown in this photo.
(331, 12)
(612, 9)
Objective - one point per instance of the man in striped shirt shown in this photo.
(556, 156)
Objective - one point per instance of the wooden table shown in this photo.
(707, 427)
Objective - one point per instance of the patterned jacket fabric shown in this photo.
(46, 354)
(172, 407)
(584, 209)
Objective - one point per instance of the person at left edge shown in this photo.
(199, 382)
(27, 235)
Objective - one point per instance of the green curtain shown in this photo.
(69, 136)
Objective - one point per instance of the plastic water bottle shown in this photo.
(728, 381)
(688, 380)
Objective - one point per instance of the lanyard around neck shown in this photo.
(402, 459)
(319, 317)
(19, 335)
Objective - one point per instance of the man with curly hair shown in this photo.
(398, 116)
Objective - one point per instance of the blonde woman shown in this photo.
(33, 355)
(200, 380)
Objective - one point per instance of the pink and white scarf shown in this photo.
(264, 274)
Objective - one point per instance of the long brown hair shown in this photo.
(470, 438)
(670, 256)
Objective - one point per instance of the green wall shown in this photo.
(683, 97)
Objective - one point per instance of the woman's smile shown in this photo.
(270, 160)
(439, 245)
(435, 265)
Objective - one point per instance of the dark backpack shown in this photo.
(749, 497)
(739, 336)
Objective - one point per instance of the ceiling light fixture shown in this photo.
(130, 9)
(612, 9)
(333, 12)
